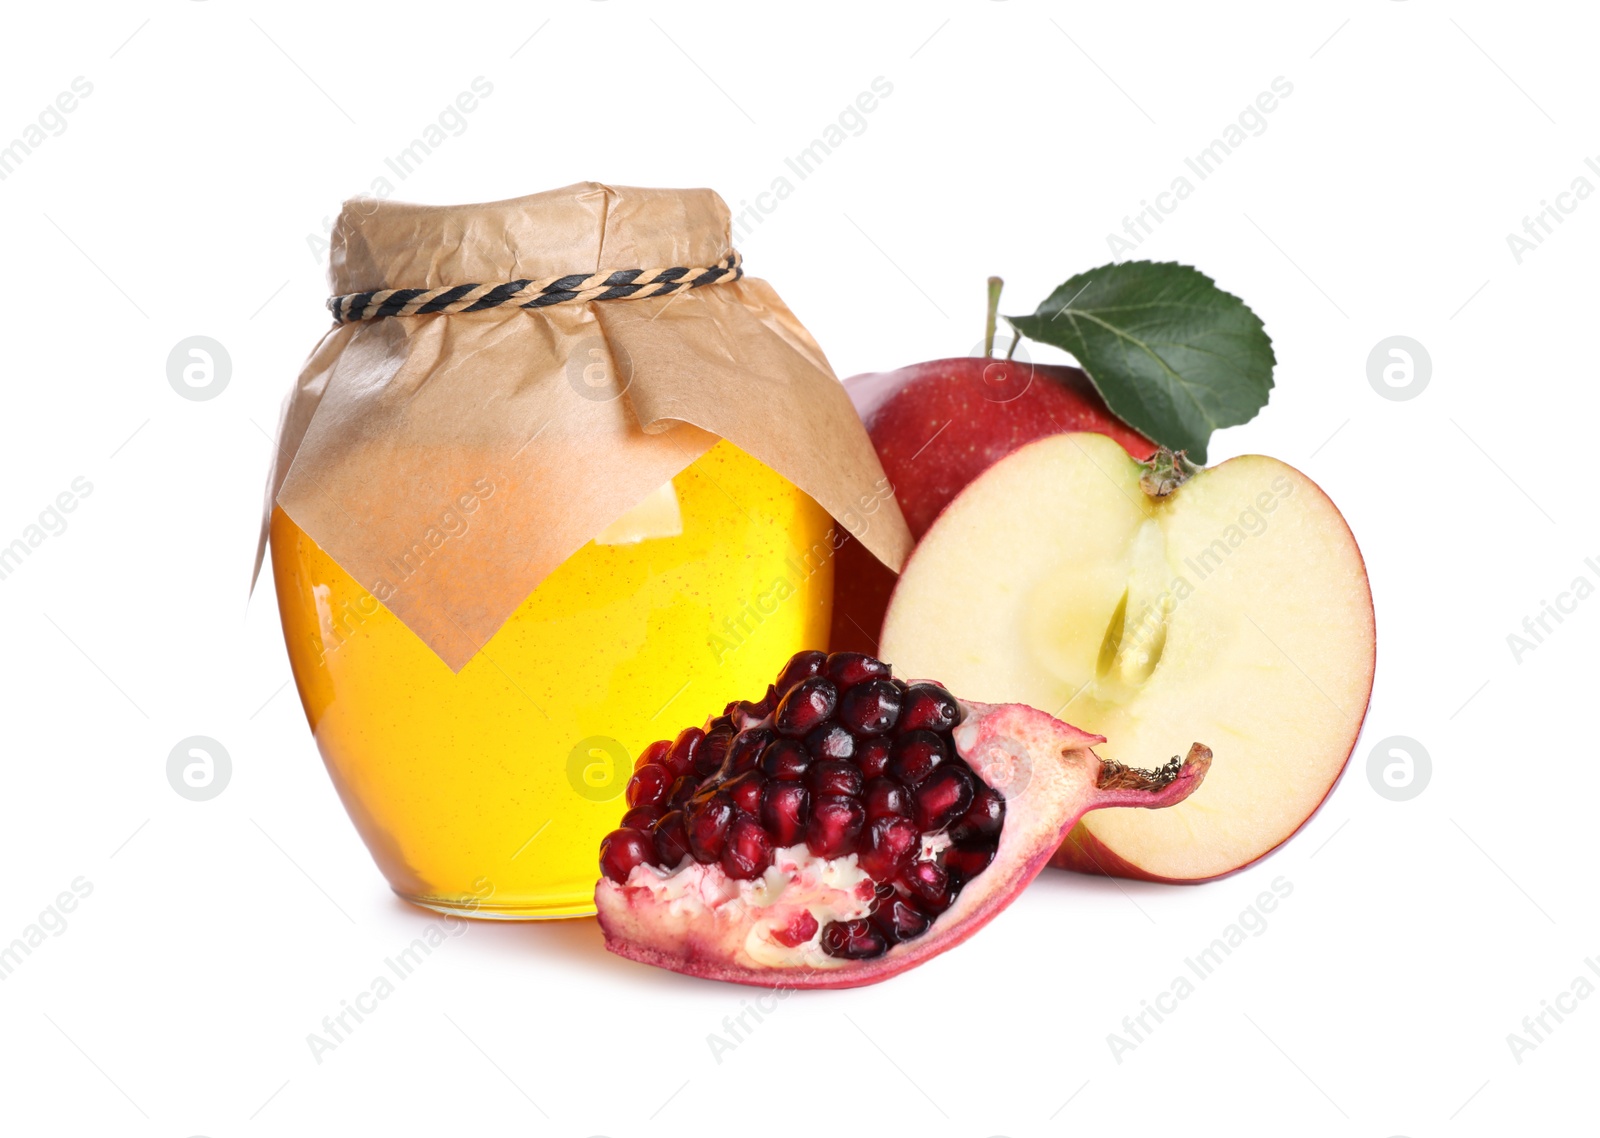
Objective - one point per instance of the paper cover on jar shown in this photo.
(450, 460)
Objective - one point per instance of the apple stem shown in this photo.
(995, 284)
(1165, 472)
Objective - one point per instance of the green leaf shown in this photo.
(1173, 355)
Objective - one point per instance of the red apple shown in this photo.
(936, 427)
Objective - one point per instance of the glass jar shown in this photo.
(487, 790)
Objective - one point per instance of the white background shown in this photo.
(179, 202)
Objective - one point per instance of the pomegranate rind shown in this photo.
(697, 921)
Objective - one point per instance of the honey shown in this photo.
(487, 791)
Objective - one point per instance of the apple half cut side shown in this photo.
(1145, 602)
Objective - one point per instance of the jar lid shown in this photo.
(379, 243)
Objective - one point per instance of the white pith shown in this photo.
(736, 920)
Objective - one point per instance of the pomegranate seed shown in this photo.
(649, 785)
(870, 708)
(966, 862)
(672, 839)
(983, 819)
(708, 821)
(654, 753)
(900, 920)
(642, 818)
(745, 790)
(928, 707)
(801, 666)
(944, 796)
(915, 755)
(785, 809)
(683, 790)
(872, 756)
(887, 847)
(834, 777)
(680, 760)
(744, 714)
(785, 760)
(622, 850)
(928, 883)
(835, 825)
(808, 703)
(853, 940)
(882, 894)
(846, 669)
(830, 741)
(748, 851)
(747, 748)
(708, 759)
(886, 798)
(797, 931)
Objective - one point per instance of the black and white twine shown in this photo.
(617, 284)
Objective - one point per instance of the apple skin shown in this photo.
(980, 410)
(975, 411)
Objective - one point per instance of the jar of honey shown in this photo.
(515, 542)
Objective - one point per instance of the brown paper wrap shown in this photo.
(570, 414)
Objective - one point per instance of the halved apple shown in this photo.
(1148, 603)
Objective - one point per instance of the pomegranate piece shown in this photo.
(849, 827)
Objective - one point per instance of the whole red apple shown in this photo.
(936, 427)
